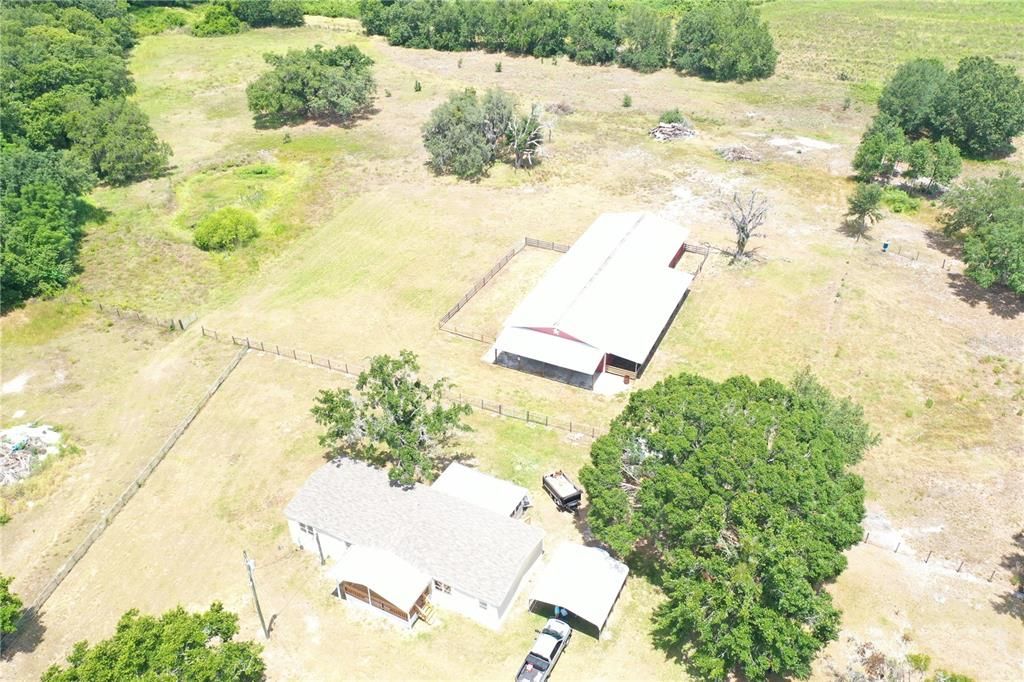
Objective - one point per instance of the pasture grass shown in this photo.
(364, 249)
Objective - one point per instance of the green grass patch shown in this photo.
(898, 201)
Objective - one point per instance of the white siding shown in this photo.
(468, 606)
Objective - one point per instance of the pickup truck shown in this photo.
(545, 652)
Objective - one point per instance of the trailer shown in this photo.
(566, 495)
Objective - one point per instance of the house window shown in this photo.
(483, 605)
(306, 528)
(442, 587)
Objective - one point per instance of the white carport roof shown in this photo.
(613, 290)
(584, 580)
(383, 572)
(480, 489)
(554, 350)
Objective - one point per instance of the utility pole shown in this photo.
(250, 566)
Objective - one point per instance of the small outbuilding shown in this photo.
(584, 581)
(603, 308)
(474, 486)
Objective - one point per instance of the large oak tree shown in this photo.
(736, 498)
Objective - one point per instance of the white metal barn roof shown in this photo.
(476, 487)
(383, 572)
(554, 350)
(584, 580)
(613, 291)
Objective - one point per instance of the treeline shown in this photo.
(65, 125)
(718, 40)
(225, 17)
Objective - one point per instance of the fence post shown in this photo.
(527, 416)
(960, 566)
(294, 356)
(499, 408)
(928, 557)
(203, 328)
(329, 364)
(247, 342)
(261, 347)
(896, 551)
(993, 575)
(570, 426)
(311, 358)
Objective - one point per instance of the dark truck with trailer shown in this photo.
(566, 495)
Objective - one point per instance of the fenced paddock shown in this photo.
(136, 484)
(351, 369)
(444, 323)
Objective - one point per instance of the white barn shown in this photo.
(604, 306)
(405, 550)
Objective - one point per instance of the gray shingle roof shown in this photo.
(473, 549)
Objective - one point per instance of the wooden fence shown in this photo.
(108, 516)
(352, 369)
(495, 269)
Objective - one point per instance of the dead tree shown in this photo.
(524, 137)
(746, 216)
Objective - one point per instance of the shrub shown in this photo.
(627, 101)
(724, 41)
(898, 201)
(466, 134)
(225, 229)
(417, 86)
(672, 116)
(331, 8)
(217, 21)
(260, 13)
(149, 20)
(645, 39)
(497, 67)
(314, 83)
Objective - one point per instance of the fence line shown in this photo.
(988, 574)
(350, 369)
(176, 323)
(495, 269)
(125, 496)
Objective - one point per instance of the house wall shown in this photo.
(466, 604)
(528, 564)
(332, 547)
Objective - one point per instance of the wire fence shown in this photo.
(180, 323)
(987, 572)
(108, 516)
(352, 369)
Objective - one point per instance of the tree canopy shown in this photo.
(467, 134)
(724, 41)
(909, 96)
(988, 217)
(64, 125)
(736, 498)
(396, 420)
(10, 607)
(176, 646)
(980, 106)
(882, 146)
(320, 84)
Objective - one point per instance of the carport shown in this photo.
(585, 581)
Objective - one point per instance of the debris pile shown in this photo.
(666, 132)
(22, 448)
(740, 152)
(562, 108)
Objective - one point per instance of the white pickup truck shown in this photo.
(546, 649)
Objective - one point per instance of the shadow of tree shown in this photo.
(854, 229)
(292, 119)
(998, 299)
(1012, 603)
(29, 635)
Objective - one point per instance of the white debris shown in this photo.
(23, 448)
(16, 385)
(666, 132)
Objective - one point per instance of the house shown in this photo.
(582, 584)
(476, 487)
(601, 310)
(403, 551)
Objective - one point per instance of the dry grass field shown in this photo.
(363, 250)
